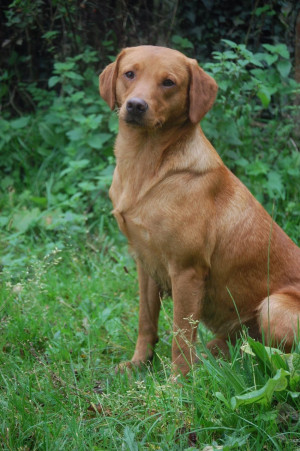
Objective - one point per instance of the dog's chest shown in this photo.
(145, 243)
(143, 221)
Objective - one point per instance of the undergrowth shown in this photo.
(71, 317)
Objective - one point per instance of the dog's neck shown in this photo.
(151, 149)
(145, 158)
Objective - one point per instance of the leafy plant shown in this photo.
(252, 124)
(57, 163)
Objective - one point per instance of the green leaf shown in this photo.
(284, 67)
(222, 398)
(24, 219)
(275, 185)
(264, 395)
(270, 59)
(73, 75)
(64, 66)
(39, 201)
(76, 134)
(53, 81)
(20, 123)
(87, 186)
(79, 164)
(47, 134)
(279, 49)
(113, 123)
(3, 221)
(230, 43)
(182, 42)
(282, 50)
(261, 353)
(257, 167)
(97, 141)
(264, 95)
(264, 9)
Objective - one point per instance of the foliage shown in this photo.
(252, 125)
(36, 34)
(208, 22)
(57, 162)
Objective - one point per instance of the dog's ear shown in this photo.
(203, 91)
(107, 82)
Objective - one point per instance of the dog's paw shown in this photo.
(218, 348)
(129, 366)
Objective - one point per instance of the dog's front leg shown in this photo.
(148, 317)
(187, 293)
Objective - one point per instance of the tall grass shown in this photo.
(71, 317)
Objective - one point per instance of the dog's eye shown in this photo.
(130, 74)
(168, 82)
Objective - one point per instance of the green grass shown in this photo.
(69, 317)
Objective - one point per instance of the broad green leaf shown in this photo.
(39, 201)
(278, 362)
(257, 167)
(280, 49)
(183, 42)
(113, 123)
(97, 141)
(3, 221)
(79, 164)
(25, 219)
(265, 394)
(47, 134)
(53, 81)
(270, 59)
(284, 67)
(264, 9)
(20, 123)
(76, 134)
(242, 162)
(222, 398)
(77, 96)
(264, 95)
(64, 66)
(50, 34)
(261, 353)
(274, 184)
(87, 186)
(230, 43)
(73, 75)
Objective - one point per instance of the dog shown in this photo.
(193, 228)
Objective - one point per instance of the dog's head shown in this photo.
(153, 86)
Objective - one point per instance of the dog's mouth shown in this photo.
(134, 120)
(142, 121)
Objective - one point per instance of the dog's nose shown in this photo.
(136, 106)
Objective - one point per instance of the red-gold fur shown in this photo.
(195, 230)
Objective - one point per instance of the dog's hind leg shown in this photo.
(279, 318)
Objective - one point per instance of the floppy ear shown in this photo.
(203, 91)
(107, 82)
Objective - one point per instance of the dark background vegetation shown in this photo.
(35, 34)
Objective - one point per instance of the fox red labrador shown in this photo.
(194, 229)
